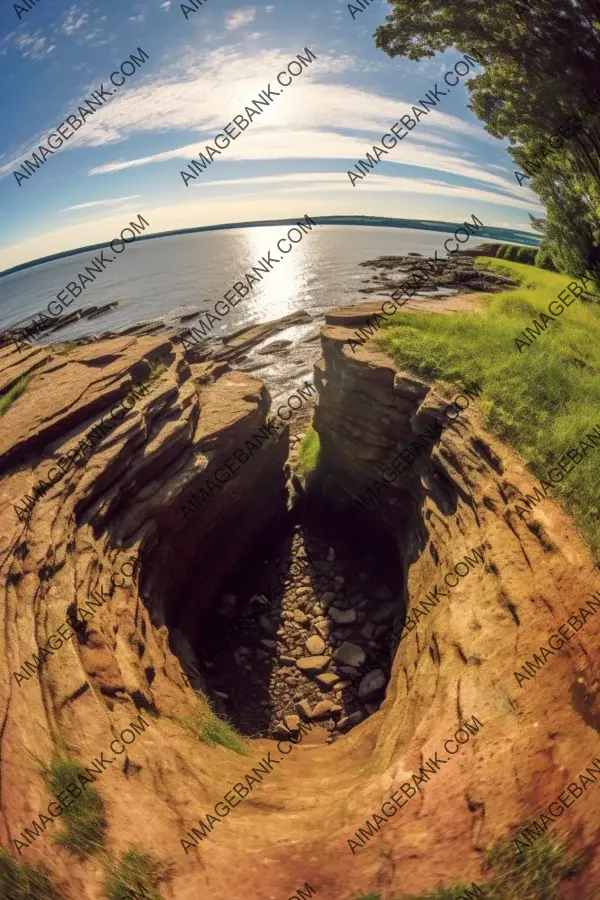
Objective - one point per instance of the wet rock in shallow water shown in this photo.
(328, 680)
(368, 630)
(312, 664)
(342, 616)
(350, 654)
(383, 612)
(350, 721)
(268, 643)
(327, 598)
(373, 683)
(315, 645)
(227, 605)
(302, 707)
(326, 708)
(383, 593)
(267, 625)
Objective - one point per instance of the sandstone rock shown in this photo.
(350, 654)
(342, 616)
(324, 709)
(373, 683)
(280, 731)
(315, 645)
(312, 664)
(302, 707)
(324, 628)
(328, 680)
(300, 617)
(292, 723)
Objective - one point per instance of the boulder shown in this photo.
(342, 616)
(373, 683)
(350, 654)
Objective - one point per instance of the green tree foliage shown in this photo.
(544, 259)
(540, 62)
(527, 255)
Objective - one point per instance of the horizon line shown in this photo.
(424, 224)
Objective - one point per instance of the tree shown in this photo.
(540, 59)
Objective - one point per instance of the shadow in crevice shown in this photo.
(301, 623)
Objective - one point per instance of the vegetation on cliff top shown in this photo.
(540, 63)
(543, 400)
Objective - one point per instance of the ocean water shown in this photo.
(170, 276)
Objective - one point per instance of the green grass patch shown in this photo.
(135, 872)
(156, 370)
(7, 399)
(209, 728)
(534, 875)
(84, 819)
(22, 882)
(309, 454)
(543, 400)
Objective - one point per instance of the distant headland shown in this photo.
(500, 234)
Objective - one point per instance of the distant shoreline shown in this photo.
(498, 234)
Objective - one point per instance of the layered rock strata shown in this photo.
(457, 662)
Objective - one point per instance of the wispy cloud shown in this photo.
(107, 202)
(165, 4)
(240, 17)
(73, 20)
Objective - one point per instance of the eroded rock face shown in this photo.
(457, 662)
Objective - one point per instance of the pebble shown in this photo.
(315, 645)
(326, 708)
(328, 680)
(312, 664)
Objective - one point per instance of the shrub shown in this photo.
(21, 882)
(527, 255)
(85, 821)
(135, 872)
(502, 251)
(7, 399)
(512, 253)
(544, 259)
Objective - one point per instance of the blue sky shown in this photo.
(292, 160)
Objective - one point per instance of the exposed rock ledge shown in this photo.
(459, 662)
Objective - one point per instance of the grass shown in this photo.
(135, 872)
(84, 819)
(534, 875)
(156, 370)
(22, 882)
(543, 400)
(310, 453)
(209, 728)
(7, 399)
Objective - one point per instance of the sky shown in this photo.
(202, 70)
